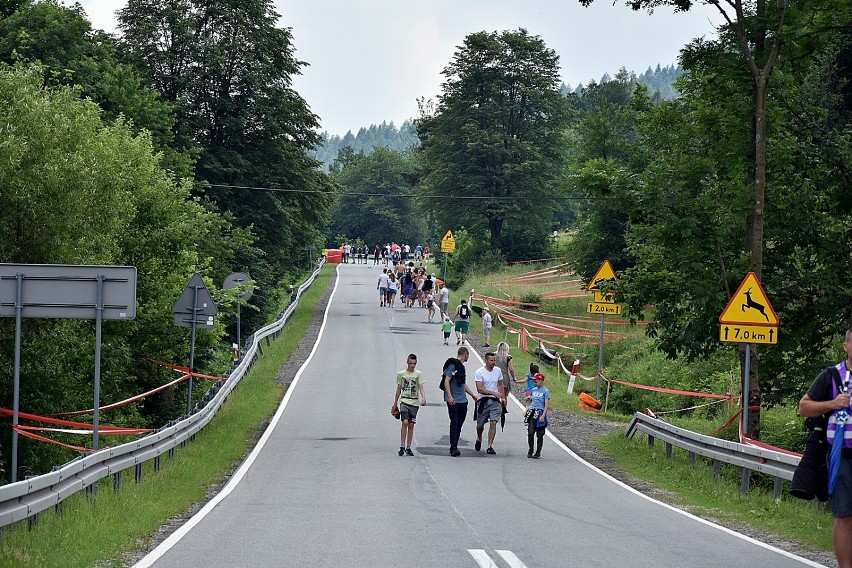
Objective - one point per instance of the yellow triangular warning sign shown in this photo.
(749, 305)
(449, 238)
(605, 272)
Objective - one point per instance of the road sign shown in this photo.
(605, 272)
(68, 291)
(236, 279)
(748, 333)
(749, 306)
(604, 308)
(195, 299)
(448, 243)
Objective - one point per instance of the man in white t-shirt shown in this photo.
(444, 300)
(486, 326)
(489, 407)
(382, 287)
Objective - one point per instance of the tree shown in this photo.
(497, 135)
(71, 53)
(758, 32)
(379, 200)
(228, 70)
(78, 191)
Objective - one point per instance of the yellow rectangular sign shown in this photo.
(603, 308)
(735, 333)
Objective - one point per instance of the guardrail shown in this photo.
(24, 500)
(779, 465)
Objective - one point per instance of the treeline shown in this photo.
(178, 146)
(384, 135)
(659, 81)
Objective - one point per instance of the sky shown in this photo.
(370, 60)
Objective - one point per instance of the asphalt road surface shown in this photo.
(325, 486)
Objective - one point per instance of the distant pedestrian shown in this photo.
(530, 383)
(447, 328)
(456, 392)
(486, 325)
(536, 416)
(444, 300)
(462, 322)
(409, 384)
(489, 408)
(392, 289)
(430, 308)
(382, 287)
(377, 253)
(504, 361)
(347, 250)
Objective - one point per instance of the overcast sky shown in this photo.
(369, 60)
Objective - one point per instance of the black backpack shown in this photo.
(464, 311)
(451, 361)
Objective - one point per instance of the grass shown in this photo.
(98, 531)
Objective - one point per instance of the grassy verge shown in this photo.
(695, 487)
(99, 530)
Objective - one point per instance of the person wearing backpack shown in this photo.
(455, 395)
(829, 396)
(462, 322)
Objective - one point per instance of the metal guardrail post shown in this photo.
(717, 470)
(116, 482)
(137, 472)
(745, 480)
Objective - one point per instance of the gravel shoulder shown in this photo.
(576, 431)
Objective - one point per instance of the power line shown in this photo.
(398, 196)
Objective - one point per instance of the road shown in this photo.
(325, 486)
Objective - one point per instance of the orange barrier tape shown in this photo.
(672, 391)
(105, 430)
(58, 422)
(48, 440)
(127, 400)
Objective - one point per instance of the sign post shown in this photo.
(194, 307)
(235, 280)
(748, 318)
(58, 291)
(604, 304)
(448, 246)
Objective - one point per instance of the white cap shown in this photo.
(485, 308)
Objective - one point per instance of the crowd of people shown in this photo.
(384, 254)
(489, 394)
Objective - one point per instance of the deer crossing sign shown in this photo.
(749, 317)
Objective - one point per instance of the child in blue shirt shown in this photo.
(536, 417)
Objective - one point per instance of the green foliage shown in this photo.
(81, 192)
(72, 54)
(378, 202)
(228, 70)
(497, 134)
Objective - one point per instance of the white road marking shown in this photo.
(482, 558)
(510, 558)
